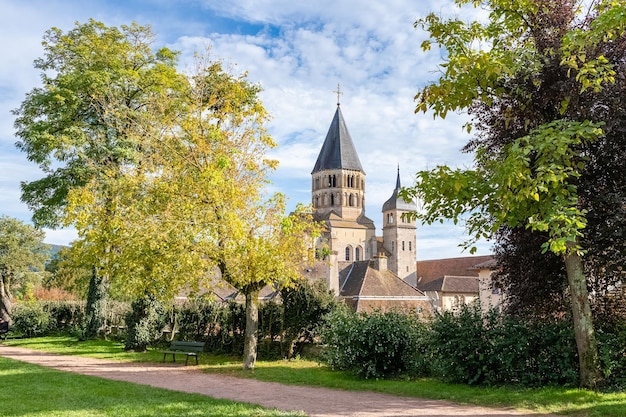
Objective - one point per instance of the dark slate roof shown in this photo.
(398, 203)
(338, 151)
(464, 266)
(454, 284)
(361, 279)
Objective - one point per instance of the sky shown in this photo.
(299, 52)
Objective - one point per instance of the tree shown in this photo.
(500, 71)
(86, 125)
(270, 249)
(22, 252)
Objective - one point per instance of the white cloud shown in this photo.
(299, 53)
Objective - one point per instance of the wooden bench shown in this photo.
(184, 348)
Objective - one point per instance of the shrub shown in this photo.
(473, 349)
(612, 352)
(270, 328)
(143, 324)
(31, 319)
(66, 316)
(373, 345)
(304, 307)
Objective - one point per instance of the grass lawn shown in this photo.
(30, 390)
(565, 401)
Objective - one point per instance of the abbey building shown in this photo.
(362, 268)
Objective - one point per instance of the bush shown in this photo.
(374, 345)
(66, 316)
(143, 324)
(473, 349)
(304, 308)
(31, 319)
(612, 352)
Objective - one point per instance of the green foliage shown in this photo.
(144, 323)
(220, 326)
(375, 345)
(304, 308)
(612, 351)
(95, 311)
(498, 350)
(529, 75)
(22, 258)
(31, 319)
(270, 324)
(66, 316)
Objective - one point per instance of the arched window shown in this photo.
(332, 199)
(389, 218)
(334, 180)
(351, 200)
(357, 254)
(347, 253)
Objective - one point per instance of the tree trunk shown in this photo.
(252, 327)
(5, 301)
(583, 322)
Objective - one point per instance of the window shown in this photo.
(357, 254)
(410, 247)
(332, 199)
(403, 245)
(393, 246)
(390, 218)
(347, 253)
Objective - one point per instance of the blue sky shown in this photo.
(298, 51)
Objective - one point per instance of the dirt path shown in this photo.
(316, 402)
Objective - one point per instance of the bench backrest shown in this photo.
(187, 346)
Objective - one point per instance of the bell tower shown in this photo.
(338, 198)
(399, 236)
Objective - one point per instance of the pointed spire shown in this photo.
(395, 202)
(338, 151)
(398, 186)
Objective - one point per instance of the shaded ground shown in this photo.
(316, 402)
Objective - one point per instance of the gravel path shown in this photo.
(316, 402)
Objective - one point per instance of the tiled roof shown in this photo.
(360, 279)
(463, 266)
(338, 151)
(453, 284)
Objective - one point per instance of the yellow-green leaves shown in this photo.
(532, 184)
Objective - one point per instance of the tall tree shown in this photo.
(86, 124)
(22, 252)
(501, 71)
(270, 249)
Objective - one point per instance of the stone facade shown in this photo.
(338, 184)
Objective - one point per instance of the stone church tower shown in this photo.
(399, 236)
(338, 198)
(338, 191)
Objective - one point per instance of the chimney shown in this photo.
(380, 263)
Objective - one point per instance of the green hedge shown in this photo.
(469, 347)
(375, 345)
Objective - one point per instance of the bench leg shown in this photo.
(173, 356)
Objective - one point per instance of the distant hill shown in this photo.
(54, 249)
